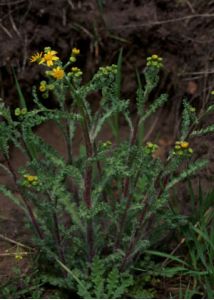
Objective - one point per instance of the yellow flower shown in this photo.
(36, 57)
(30, 178)
(75, 51)
(58, 73)
(49, 58)
(184, 145)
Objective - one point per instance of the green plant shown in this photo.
(193, 266)
(109, 204)
(23, 286)
(199, 240)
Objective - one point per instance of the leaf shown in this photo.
(126, 281)
(191, 170)
(7, 193)
(203, 131)
(81, 287)
(171, 257)
(112, 282)
(97, 277)
(18, 87)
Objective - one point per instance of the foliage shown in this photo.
(95, 214)
(192, 267)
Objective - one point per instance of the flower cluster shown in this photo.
(155, 61)
(48, 57)
(30, 180)
(151, 148)
(20, 111)
(182, 149)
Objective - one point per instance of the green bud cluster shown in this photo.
(30, 180)
(105, 145)
(154, 61)
(75, 72)
(108, 70)
(192, 109)
(20, 111)
(182, 148)
(47, 49)
(151, 148)
(75, 52)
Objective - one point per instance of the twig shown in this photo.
(71, 4)
(6, 31)
(199, 72)
(189, 4)
(15, 242)
(153, 23)
(13, 254)
(12, 3)
(13, 24)
(152, 127)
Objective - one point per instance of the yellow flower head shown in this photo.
(58, 73)
(184, 145)
(30, 178)
(49, 58)
(75, 51)
(36, 57)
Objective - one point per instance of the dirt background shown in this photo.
(180, 31)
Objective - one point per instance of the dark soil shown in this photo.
(180, 31)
